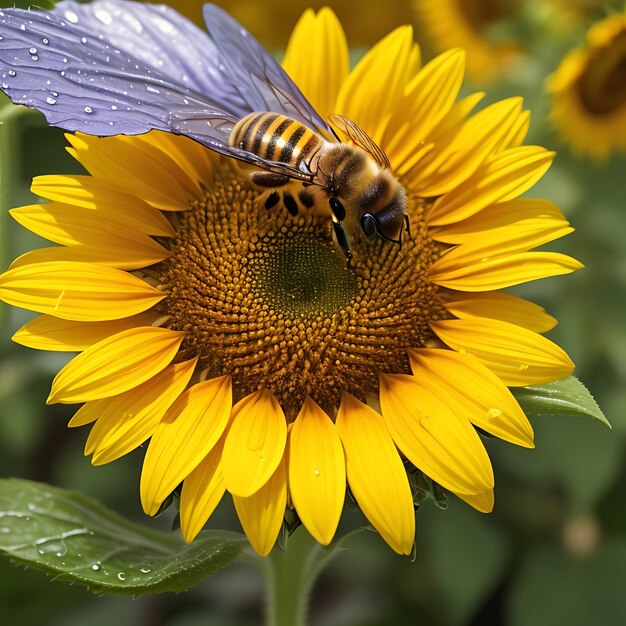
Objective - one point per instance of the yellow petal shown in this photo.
(261, 514)
(317, 472)
(506, 241)
(97, 195)
(201, 493)
(88, 413)
(116, 364)
(374, 87)
(46, 332)
(526, 214)
(194, 163)
(426, 101)
(502, 177)
(376, 473)
(482, 502)
(501, 272)
(459, 155)
(516, 355)
(120, 255)
(319, 76)
(504, 307)
(127, 420)
(69, 225)
(442, 444)
(255, 444)
(138, 168)
(77, 291)
(473, 392)
(188, 432)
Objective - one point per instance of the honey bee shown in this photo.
(224, 90)
(354, 176)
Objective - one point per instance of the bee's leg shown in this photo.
(342, 240)
(269, 179)
(272, 200)
(307, 198)
(290, 204)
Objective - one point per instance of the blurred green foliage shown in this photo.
(553, 551)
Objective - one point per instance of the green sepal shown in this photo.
(425, 488)
(76, 539)
(564, 397)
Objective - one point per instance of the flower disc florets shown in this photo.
(269, 299)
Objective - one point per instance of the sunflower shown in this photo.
(238, 342)
(477, 26)
(589, 91)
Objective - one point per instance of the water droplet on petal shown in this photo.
(121, 576)
(4, 86)
(32, 50)
(70, 16)
(45, 41)
(95, 567)
(83, 40)
(12, 73)
(494, 413)
(35, 57)
(113, 107)
(145, 570)
(51, 100)
(88, 110)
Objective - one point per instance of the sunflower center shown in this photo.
(269, 299)
(602, 86)
(302, 276)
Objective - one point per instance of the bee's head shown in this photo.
(387, 220)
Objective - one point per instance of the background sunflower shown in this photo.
(560, 522)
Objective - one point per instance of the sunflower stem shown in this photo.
(289, 577)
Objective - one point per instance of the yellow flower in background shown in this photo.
(589, 91)
(473, 25)
(272, 20)
(254, 360)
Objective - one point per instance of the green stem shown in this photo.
(10, 152)
(289, 578)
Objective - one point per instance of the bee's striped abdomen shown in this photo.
(275, 137)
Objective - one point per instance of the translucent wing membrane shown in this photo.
(81, 82)
(161, 39)
(260, 80)
(113, 67)
(360, 138)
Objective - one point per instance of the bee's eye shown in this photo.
(369, 226)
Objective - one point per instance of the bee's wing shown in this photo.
(81, 82)
(69, 70)
(359, 137)
(161, 39)
(260, 80)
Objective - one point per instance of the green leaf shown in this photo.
(74, 537)
(563, 397)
